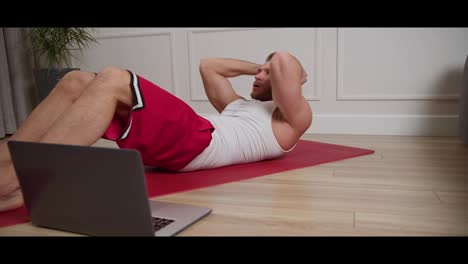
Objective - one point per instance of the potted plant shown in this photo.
(52, 50)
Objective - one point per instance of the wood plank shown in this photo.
(410, 186)
(436, 224)
(460, 198)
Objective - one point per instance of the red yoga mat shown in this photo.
(306, 154)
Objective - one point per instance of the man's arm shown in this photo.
(215, 73)
(286, 77)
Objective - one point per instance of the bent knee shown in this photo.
(113, 74)
(116, 81)
(73, 83)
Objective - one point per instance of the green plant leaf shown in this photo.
(55, 45)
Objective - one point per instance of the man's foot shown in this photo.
(10, 193)
(11, 201)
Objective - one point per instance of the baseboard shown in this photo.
(405, 125)
(401, 125)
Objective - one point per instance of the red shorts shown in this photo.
(164, 129)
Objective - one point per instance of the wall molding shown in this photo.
(318, 69)
(132, 34)
(318, 61)
(367, 124)
(342, 95)
(170, 34)
(391, 125)
(211, 30)
(394, 97)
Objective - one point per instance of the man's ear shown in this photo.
(304, 76)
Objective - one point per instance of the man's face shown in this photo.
(261, 87)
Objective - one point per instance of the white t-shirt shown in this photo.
(243, 134)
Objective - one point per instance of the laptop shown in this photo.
(94, 191)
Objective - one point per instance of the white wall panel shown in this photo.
(254, 45)
(149, 54)
(381, 81)
(400, 63)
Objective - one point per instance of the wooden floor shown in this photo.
(411, 186)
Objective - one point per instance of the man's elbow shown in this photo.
(285, 61)
(282, 57)
(204, 65)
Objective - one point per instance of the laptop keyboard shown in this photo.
(159, 223)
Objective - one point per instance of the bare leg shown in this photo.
(34, 127)
(13, 198)
(88, 118)
(84, 122)
(46, 113)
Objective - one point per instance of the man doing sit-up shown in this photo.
(119, 105)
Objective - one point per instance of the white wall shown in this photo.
(381, 81)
